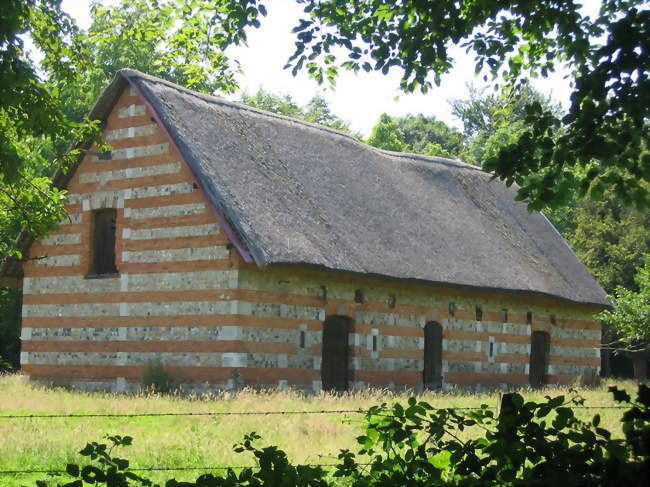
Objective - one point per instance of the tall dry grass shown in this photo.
(207, 440)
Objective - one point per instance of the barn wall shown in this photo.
(183, 296)
(297, 298)
(173, 259)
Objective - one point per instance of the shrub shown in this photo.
(156, 379)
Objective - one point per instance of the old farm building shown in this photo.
(242, 247)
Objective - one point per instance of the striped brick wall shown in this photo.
(173, 260)
(184, 297)
(398, 361)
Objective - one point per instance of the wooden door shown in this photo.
(334, 364)
(432, 373)
(540, 343)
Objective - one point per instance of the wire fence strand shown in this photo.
(171, 469)
(211, 413)
(218, 413)
(247, 413)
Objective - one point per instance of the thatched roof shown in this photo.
(298, 193)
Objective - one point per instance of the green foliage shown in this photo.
(271, 102)
(527, 443)
(319, 112)
(31, 113)
(493, 121)
(10, 304)
(181, 40)
(417, 134)
(156, 379)
(316, 111)
(630, 314)
(605, 133)
(386, 134)
(611, 240)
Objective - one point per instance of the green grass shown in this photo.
(207, 440)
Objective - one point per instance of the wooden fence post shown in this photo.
(507, 423)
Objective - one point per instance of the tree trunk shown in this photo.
(640, 364)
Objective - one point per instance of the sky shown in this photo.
(357, 98)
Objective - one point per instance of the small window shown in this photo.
(479, 313)
(104, 224)
(303, 339)
(392, 300)
(374, 343)
(105, 156)
(529, 318)
(358, 296)
(323, 293)
(504, 315)
(491, 349)
(552, 320)
(452, 309)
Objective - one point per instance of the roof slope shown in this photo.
(299, 193)
(304, 194)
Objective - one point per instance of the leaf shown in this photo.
(441, 460)
(91, 474)
(620, 395)
(87, 450)
(72, 470)
(643, 395)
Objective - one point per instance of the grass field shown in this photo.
(180, 441)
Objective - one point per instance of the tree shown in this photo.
(43, 106)
(31, 115)
(316, 111)
(387, 134)
(605, 133)
(418, 134)
(630, 316)
(277, 103)
(319, 112)
(492, 121)
(611, 240)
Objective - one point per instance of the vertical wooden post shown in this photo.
(507, 423)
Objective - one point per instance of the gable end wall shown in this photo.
(175, 265)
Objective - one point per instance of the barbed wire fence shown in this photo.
(221, 413)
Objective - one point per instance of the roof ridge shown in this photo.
(129, 73)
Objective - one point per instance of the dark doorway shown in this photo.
(334, 365)
(432, 373)
(540, 344)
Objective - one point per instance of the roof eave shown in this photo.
(523, 293)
